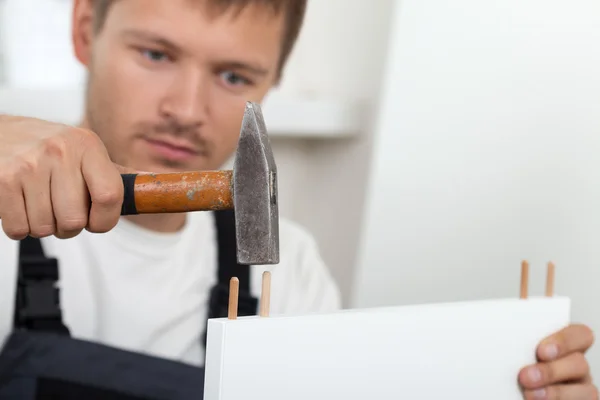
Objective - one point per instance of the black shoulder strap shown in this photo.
(228, 268)
(227, 252)
(37, 303)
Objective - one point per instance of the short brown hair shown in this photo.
(294, 16)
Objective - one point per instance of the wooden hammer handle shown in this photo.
(177, 192)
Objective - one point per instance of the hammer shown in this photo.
(250, 189)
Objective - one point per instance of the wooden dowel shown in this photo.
(265, 296)
(550, 280)
(524, 279)
(234, 290)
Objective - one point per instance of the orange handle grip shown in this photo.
(177, 192)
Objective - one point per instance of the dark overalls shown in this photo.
(41, 361)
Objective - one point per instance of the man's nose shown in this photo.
(187, 98)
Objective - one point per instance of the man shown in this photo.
(168, 81)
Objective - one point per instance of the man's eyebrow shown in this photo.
(249, 67)
(151, 37)
(252, 68)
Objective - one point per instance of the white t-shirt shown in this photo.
(147, 292)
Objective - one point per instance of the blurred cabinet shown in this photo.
(36, 44)
(315, 99)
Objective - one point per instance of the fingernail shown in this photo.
(550, 351)
(539, 394)
(534, 374)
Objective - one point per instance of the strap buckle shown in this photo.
(38, 302)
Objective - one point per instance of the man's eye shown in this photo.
(154, 55)
(234, 79)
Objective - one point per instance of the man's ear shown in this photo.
(83, 29)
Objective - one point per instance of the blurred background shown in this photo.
(429, 145)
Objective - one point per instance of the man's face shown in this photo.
(168, 80)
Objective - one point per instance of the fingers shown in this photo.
(573, 367)
(38, 203)
(105, 187)
(563, 392)
(49, 179)
(26, 205)
(574, 338)
(70, 200)
(13, 213)
(126, 170)
(562, 371)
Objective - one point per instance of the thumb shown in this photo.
(127, 170)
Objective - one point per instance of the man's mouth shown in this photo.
(174, 150)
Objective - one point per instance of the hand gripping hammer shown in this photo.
(250, 189)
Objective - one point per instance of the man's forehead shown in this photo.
(210, 8)
(249, 35)
(189, 14)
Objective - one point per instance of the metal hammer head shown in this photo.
(255, 192)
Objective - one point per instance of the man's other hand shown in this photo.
(562, 371)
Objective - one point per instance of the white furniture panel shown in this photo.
(467, 351)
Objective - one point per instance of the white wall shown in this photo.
(487, 153)
(339, 55)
